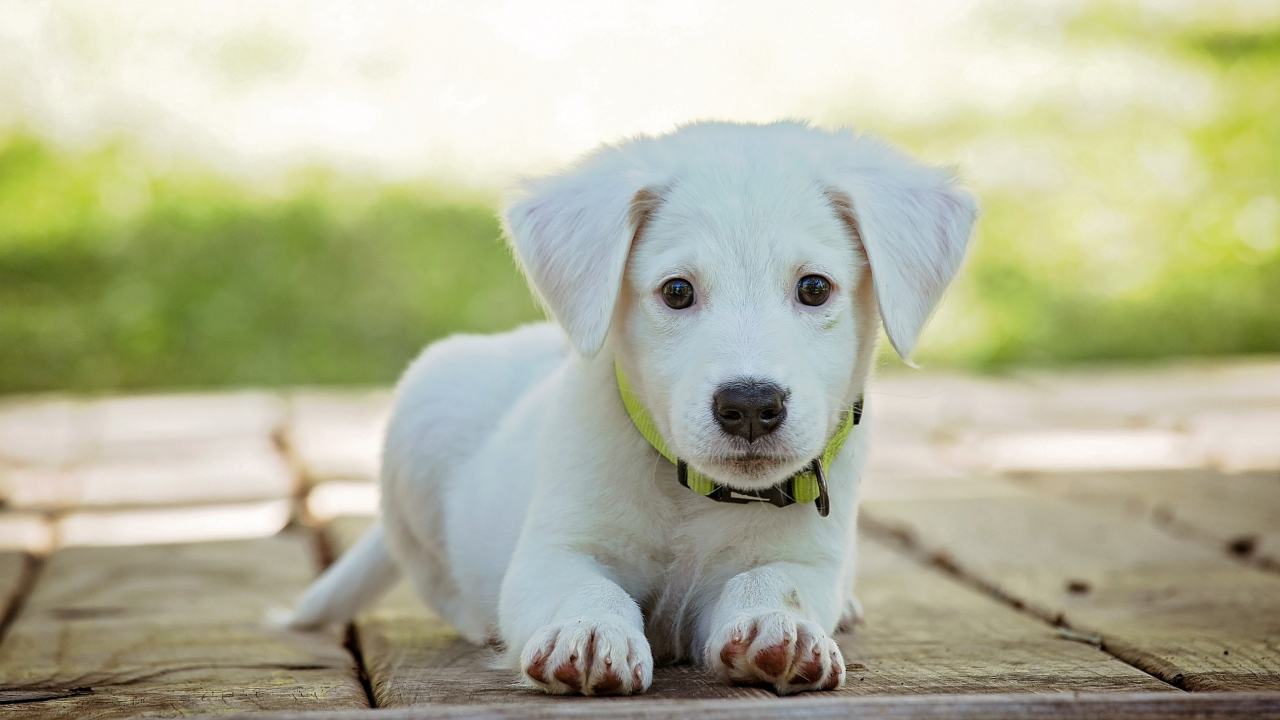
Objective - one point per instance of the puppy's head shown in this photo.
(738, 274)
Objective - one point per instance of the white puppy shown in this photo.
(732, 278)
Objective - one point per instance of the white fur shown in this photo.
(517, 495)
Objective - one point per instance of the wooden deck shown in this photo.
(1082, 544)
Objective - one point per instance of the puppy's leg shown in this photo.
(768, 628)
(852, 615)
(581, 632)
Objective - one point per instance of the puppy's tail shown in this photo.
(359, 577)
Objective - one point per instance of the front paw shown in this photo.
(777, 650)
(588, 657)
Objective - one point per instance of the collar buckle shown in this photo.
(780, 495)
(824, 500)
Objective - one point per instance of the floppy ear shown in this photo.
(572, 234)
(913, 222)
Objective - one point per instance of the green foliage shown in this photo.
(1140, 234)
(1135, 234)
(114, 280)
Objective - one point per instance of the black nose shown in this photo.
(749, 408)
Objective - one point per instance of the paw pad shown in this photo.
(584, 658)
(777, 650)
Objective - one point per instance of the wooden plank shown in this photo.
(926, 634)
(936, 405)
(1239, 440)
(1178, 609)
(337, 435)
(195, 523)
(1077, 450)
(13, 569)
(1058, 706)
(335, 498)
(950, 408)
(170, 630)
(139, 422)
(142, 450)
(1223, 413)
(414, 658)
(42, 430)
(1152, 393)
(29, 531)
(1239, 513)
(233, 469)
(929, 486)
(1179, 416)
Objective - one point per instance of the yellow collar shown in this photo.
(808, 485)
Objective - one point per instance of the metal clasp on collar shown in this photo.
(775, 495)
(824, 500)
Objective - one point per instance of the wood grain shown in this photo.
(125, 424)
(192, 523)
(1156, 393)
(58, 454)
(1169, 566)
(1239, 513)
(338, 436)
(169, 630)
(414, 658)
(24, 530)
(925, 634)
(1178, 415)
(167, 473)
(1176, 608)
(13, 568)
(1058, 706)
(47, 431)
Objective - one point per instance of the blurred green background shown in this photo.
(1112, 230)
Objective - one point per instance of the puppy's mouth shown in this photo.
(752, 469)
(751, 462)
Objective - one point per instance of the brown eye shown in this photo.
(677, 293)
(813, 289)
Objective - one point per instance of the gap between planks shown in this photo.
(281, 440)
(1193, 511)
(325, 554)
(1171, 607)
(413, 658)
(937, 561)
(13, 604)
